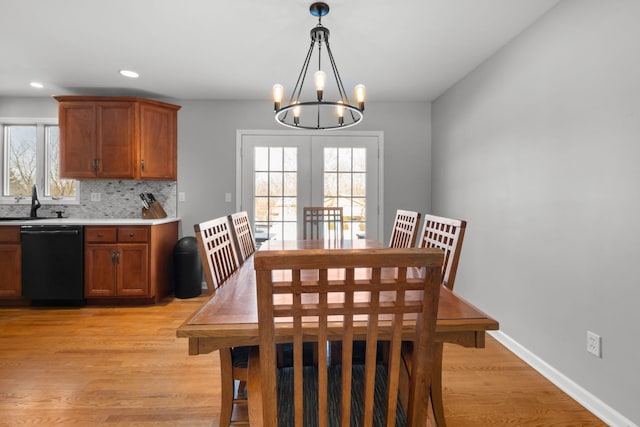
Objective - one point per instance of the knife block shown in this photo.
(155, 211)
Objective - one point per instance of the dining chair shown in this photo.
(217, 251)
(446, 234)
(311, 295)
(242, 235)
(322, 223)
(405, 229)
(319, 223)
(218, 254)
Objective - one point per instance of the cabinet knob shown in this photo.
(142, 161)
(131, 234)
(100, 235)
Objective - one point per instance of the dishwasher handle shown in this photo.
(56, 232)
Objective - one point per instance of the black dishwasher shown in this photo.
(52, 263)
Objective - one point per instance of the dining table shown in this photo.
(229, 318)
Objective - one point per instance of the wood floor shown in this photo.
(118, 366)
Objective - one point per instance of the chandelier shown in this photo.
(318, 113)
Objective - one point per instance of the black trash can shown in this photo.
(187, 268)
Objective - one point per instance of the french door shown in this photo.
(281, 172)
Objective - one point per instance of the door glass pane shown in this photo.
(290, 184)
(290, 159)
(359, 159)
(344, 159)
(262, 158)
(56, 186)
(330, 159)
(21, 160)
(359, 185)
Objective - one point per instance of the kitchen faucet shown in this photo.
(35, 203)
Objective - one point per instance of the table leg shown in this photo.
(226, 386)
(436, 385)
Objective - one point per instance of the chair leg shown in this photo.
(226, 386)
(436, 385)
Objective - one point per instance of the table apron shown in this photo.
(206, 345)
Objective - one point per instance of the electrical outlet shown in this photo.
(594, 344)
(95, 197)
(182, 196)
(227, 197)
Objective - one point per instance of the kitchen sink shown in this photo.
(22, 218)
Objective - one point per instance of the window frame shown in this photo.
(42, 163)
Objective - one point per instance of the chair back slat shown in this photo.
(217, 251)
(405, 229)
(446, 234)
(303, 293)
(322, 223)
(243, 235)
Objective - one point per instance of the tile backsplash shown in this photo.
(118, 199)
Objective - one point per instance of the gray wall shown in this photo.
(538, 149)
(207, 154)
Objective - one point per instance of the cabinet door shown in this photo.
(116, 140)
(133, 270)
(158, 142)
(10, 270)
(100, 271)
(77, 123)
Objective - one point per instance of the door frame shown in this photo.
(379, 135)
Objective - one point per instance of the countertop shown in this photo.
(89, 221)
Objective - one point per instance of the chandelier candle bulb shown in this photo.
(296, 115)
(278, 94)
(320, 79)
(340, 111)
(360, 93)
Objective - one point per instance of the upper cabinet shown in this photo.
(117, 138)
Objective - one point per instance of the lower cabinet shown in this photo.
(10, 263)
(128, 262)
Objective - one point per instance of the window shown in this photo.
(31, 155)
(345, 185)
(276, 191)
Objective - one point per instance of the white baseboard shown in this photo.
(582, 396)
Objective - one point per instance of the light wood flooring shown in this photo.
(123, 366)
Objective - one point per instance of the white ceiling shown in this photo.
(237, 49)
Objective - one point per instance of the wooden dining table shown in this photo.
(230, 317)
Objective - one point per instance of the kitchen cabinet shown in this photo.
(129, 262)
(114, 266)
(117, 138)
(158, 147)
(10, 263)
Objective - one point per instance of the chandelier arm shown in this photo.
(336, 74)
(295, 95)
(343, 92)
(303, 73)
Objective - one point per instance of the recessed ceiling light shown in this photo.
(130, 74)
(36, 85)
